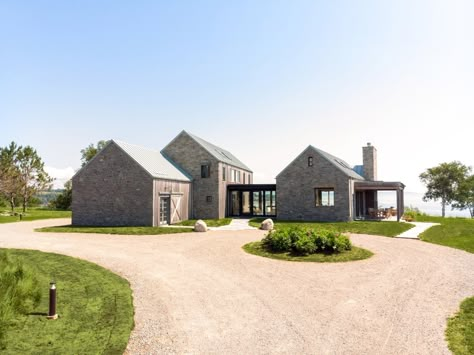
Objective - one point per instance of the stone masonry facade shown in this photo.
(189, 155)
(296, 186)
(209, 194)
(113, 190)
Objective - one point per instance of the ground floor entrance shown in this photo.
(251, 200)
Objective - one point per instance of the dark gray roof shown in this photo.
(220, 154)
(153, 162)
(340, 164)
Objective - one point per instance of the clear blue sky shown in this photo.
(263, 79)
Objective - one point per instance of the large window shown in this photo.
(205, 170)
(324, 196)
(234, 175)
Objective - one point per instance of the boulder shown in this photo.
(267, 225)
(200, 226)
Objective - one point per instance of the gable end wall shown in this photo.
(295, 190)
(112, 190)
(189, 155)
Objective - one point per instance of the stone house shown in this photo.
(125, 184)
(128, 185)
(318, 186)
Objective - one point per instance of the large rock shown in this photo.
(200, 226)
(267, 225)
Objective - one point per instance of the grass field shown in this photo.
(388, 229)
(460, 331)
(210, 222)
(115, 230)
(350, 255)
(32, 214)
(453, 232)
(94, 306)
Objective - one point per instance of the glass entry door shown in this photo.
(164, 210)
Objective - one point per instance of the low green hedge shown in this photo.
(304, 241)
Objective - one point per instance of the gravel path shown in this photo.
(200, 293)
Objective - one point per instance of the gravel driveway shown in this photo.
(200, 293)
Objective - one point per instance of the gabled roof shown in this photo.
(153, 162)
(337, 162)
(220, 154)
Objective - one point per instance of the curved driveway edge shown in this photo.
(201, 293)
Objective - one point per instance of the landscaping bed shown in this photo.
(298, 243)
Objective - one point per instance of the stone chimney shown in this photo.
(369, 154)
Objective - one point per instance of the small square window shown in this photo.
(205, 171)
(310, 161)
(208, 198)
(324, 196)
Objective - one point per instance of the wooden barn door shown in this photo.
(175, 210)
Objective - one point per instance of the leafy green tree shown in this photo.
(91, 150)
(64, 200)
(10, 173)
(442, 182)
(33, 178)
(465, 196)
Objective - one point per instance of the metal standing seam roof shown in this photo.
(339, 163)
(220, 154)
(153, 162)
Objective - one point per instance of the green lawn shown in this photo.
(355, 253)
(115, 230)
(94, 305)
(210, 222)
(32, 214)
(453, 232)
(460, 331)
(389, 229)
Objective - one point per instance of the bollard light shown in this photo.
(52, 301)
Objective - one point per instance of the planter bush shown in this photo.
(304, 241)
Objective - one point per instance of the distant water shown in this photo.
(415, 199)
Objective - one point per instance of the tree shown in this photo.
(91, 150)
(442, 182)
(32, 177)
(465, 196)
(10, 173)
(63, 201)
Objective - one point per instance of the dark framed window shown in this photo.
(208, 198)
(205, 170)
(224, 169)
(244, 178)
(310, 161)
(324, 196)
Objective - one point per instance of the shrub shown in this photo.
(19, 291)
(304, 245)
(277, 240)
(303, 241)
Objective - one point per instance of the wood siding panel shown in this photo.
(180, 200)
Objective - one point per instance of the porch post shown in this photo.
(399, 204)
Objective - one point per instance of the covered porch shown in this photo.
(366, 203)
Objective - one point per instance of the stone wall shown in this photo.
(112, 190)
(296, 190)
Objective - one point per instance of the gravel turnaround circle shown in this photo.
(200, 293)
